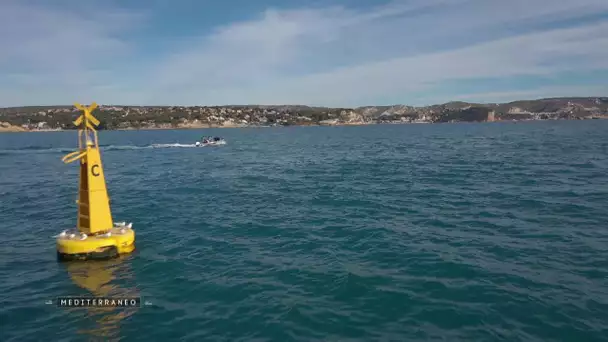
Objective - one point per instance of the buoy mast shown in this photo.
(94, 214)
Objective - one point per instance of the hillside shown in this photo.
(133, 117)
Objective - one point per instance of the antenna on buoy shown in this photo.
(97, 237)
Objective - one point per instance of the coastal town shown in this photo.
(114, 117)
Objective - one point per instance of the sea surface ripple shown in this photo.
(451, 232)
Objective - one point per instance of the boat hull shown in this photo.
(218, 143)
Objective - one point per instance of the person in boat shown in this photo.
(217, 139)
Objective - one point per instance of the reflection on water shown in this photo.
(104, 279)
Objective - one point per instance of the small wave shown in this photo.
(122, 147)
(36, 150)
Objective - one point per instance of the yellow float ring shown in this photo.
(73, 245)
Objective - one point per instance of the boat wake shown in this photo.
(171, 145)
(43, 150)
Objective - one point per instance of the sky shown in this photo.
(334, 53)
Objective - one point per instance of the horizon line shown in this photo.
(318, 106)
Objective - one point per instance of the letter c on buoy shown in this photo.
(94, 170)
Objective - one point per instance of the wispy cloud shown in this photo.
(48, 39)
(52, 53)
(396, 52)
(541, 92)
(569, 49)
(338, 56)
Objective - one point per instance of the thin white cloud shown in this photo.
(46, 39)
(50, 55)
(533, 54)
(542, 92)
(321, 56)
(280, 42)
(261, 61)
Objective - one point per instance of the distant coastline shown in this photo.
(6, 128)
(113, 117)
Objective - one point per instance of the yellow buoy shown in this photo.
(96, 235)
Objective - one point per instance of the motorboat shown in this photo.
(210, 141)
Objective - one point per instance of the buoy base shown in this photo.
(73, 245)
(108, 253)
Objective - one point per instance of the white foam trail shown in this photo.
(103, 148)
(172, 145)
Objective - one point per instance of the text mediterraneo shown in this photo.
(99, 301)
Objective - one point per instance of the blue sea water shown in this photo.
(447, 232)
